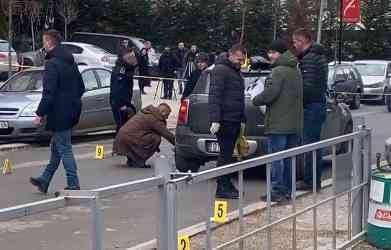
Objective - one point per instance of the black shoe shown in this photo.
(40, 184)
(226, 192)
(72, 188)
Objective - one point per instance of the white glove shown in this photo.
(242, 125)
(214, 128)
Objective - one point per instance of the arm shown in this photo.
(270, 94)
(50, 85)
(161, 129)
(216, 92)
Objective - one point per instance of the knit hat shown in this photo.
(279, 46)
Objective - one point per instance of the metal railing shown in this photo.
(358, 192)
(169, 183)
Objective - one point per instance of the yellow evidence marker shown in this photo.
(7, 167)
(184, 243)
(100, 152)
(220, 212)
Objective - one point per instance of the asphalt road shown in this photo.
(128, 218)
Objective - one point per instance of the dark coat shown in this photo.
(121, 84)
(141, 136)
(226, 93)
(180, 56)
(191, 83)
(167, 64)
(283, 97)
(314, 68)
(63, 88)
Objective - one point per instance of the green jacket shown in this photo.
(283, 97)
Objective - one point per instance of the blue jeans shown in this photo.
(282, 169)
(61, 149)
(314, 116)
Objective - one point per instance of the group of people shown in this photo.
(294, 95)
(295, 100)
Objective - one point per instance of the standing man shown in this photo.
(147, 57)
(189, 61)
(201, 63)
(167, 64)
(226, 112)
(283, 97)
(180, 53)
(314, 68)
(60, 105)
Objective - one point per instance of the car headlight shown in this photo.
(29, 110)
(375, 85)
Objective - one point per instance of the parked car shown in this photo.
(4, 59)
(376, 78)
(344, 79)
(109, 42)
(88, 54)
(195, 146)
(20, 96)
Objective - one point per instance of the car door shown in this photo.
(93, 103)
(104, 77)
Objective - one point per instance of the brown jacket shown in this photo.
(140, 137)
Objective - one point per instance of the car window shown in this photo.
(104, 77)
(97, 50)
(367, 69)
(355, 73)
(4, 47)
(340, 74)
(330, 79)
(349, 74)
(89, 80)
(26, 81)
(73, 49)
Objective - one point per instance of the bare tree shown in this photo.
(33, 9)
(68, 10)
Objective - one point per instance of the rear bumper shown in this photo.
(193, 146)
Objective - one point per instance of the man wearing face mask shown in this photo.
(202, 63)
(226, 112)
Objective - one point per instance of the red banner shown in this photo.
(351, 11)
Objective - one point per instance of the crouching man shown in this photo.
(140, 137)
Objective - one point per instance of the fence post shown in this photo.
(165, 198)
(97, 225)
(357, 201)
(367, 173)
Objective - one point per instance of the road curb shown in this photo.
(232, 216)
(13, 147)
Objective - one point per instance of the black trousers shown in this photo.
(168, 86)
(226, 137)
(120, 117)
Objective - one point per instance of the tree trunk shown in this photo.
(243, 24)
(66, 29)
(32, 33)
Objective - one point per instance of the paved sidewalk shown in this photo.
(282, 233)
(149, 99)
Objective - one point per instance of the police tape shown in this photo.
(160, 78)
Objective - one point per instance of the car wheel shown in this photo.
(355, 104)
(388, 103)
(185, 164)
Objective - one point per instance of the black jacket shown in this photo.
(63, 88)
(121, 85)
(226, 93)
(314, 68)
(180, 56)
(191, 83)
(167, 64)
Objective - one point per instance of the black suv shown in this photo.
(195, 145)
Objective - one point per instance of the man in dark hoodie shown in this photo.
(202, 61)
(283, 97)
(226, 112)
(60, 105)
(314, 68)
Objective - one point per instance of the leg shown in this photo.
(54, 161)
(117, 118)
(278, 143)
(64, 145)
(314, 116)
(292, 141)
(170, 85)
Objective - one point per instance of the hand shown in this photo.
(123, 108)
(214, 128)
(242, 125)
(38, 120)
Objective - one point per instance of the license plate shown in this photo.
(213, 147)
(3, 125)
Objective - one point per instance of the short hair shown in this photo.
(237, 47)
(303, 33)
(163, 104)
(54, 35)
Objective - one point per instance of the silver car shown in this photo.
(376, 78)
(4, 60)
(21, 94)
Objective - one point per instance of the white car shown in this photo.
(4, 61)
(88, 54)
